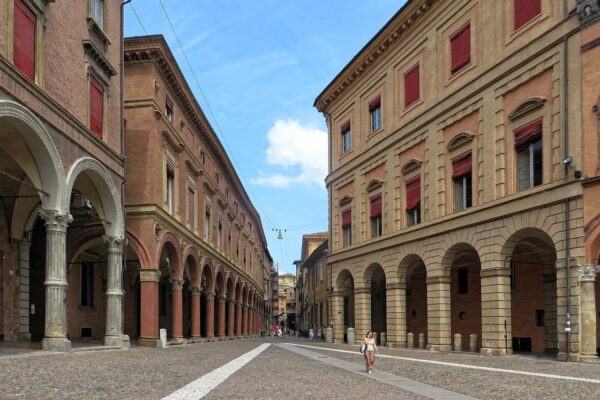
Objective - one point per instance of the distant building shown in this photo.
(285, 282)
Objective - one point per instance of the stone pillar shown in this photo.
(196, 317)
(396, 314)
(149, 279)
(496, 335)
(587, 298)
(351, 336)
(177, 310)
(238, 318)
(24, 299)
(410, 343)
(337, 317)
(232, 318)
(114, 293)
(457, 342)
(210, 314)
(221, 331)
(438, 313)
(362, 312)
(245, 320)
(55, 329)
(250, 320)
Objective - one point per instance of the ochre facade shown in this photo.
(463, 205)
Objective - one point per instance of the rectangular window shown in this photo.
(346, 137)
(540, 318)
(463, 280)
(375, 112)
(347, 227)
(412, 89)
(169, 109)
(413, 201)
(191, 207)
(96, 107)
(207, 224)
(460, 48)
(24, 39)
(87, 284)
(170, 191)
(220, 233)
(525, 11)
(528, 144)
(376, 223)
(97, 11)
(462, 179)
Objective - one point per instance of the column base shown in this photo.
(495, 352)
(589, 359)
(439, 347)
(25, 337)
(148, 342)
(62, 345)
(176, 341)
(121, 341)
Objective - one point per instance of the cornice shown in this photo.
(377, 47)
(92, 51)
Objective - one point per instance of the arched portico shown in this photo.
(416, 296)
(343, 306)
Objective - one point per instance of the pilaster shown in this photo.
(496, 333)
(114, 293)
(587, 298)
(149, 279)
(396, 314)
(438, 313)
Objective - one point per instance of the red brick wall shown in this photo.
(417, 302)
(469, 303)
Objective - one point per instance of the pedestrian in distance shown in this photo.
(369, 354)
(311, 333)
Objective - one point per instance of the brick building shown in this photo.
(313, 281)
(197, 257)
(61, 172)
(463, 178)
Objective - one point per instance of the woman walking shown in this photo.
(370, 351)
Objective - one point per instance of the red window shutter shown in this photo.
(412, 90)
(528, 134)
(461, 165)
(460, 47)
(96, 106)
(375, 104)
(346, 218)
(413, 193)
(525, 10)
(345, 127)
(376, 206)
(24, 39)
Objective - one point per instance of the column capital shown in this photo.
(177, 284)
(245, 306)
(230, 301)
(55, 221)
(149, 275)
(494, 272)
(210, 295)
(337, 293)
(437, 279)
(587, 272)
(196, 290)
(221, 299)
(115, 243)
(238, 303)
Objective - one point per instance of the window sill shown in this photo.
(374, 133)
(93, 26)
(344, 154)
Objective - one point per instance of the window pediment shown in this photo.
(347, 199)
(374, 184)
(411, 165)
(175, 147)
(532, 103)
(192, 169)
(460, 139)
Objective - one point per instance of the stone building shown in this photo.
(284, 281)
(464, 174)
(197, 256)
(61, 172)
(313, 281)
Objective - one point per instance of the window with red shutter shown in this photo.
(460, 48)
(525, 11)
(412, 86)
(24, 39)
(96, 107)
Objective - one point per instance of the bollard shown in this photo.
(383, 338)
(457, 342)
(410, 340)
(473, 343)
(421, 340)
(350, 336)
(329, 335)
(163, 338)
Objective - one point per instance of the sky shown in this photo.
(256, 67)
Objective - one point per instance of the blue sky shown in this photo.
(260, 65)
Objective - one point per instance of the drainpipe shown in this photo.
(122, 129)
(566, 168)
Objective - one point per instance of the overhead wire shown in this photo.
(138, 18)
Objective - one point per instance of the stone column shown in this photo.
(221, 331)
(495, 311)
(362, 312)
(114, 293)
(149, 279)
(196, 317)
(396, 314)
(245, 320)
(337, 317)
(210, 314)
(238, 318)
(438, 313)
(55, 329)
(587, 298)
(251, 321)
(231, 319)
(24, 299)
(177, 310)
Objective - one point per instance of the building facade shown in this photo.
(313, 282)
(197, 259)
(284, 282)
(61, 172)
(464, 153)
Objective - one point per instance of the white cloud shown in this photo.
(297, 146)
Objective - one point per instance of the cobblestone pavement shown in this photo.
(276, 373)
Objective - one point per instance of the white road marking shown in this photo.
(467, 366)
(203, 385)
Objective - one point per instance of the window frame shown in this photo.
(95, 7)
(465, 184)
(170, 189)
(455, 69)
(346, 133)
(375, 114)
